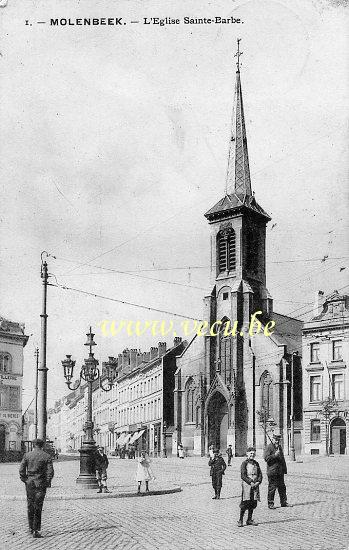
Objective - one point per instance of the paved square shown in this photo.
(317, 488)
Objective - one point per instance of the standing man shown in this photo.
(218, 467)
(36, 471)
(276, 469)
(101, 463)
(230, 454)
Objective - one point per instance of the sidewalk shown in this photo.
(64, 486)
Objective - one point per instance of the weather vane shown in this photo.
(238, 54)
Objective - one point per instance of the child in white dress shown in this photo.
(144, 472)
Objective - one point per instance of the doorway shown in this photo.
(338, 436)
(217, 413)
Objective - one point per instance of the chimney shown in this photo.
(120, 362)
(162, 348)
(133, 359)
(319, 302)
(146, 356)
(139, 358)
(126, 360)
(176, 341)
(154, 352)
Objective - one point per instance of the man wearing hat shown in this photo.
(36, 471)
(217, 470)
(276, 469)
(101, 463)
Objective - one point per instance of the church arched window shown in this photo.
(189, 395)
(226, 249)
(267, 393)
(225, 354)
(5, 362)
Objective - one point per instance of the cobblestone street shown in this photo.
(318, 489)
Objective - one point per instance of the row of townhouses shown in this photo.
(137, 411)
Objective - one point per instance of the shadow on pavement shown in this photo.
(287, 520)
(306, 503)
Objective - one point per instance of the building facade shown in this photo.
(326, 376)
(232, 383)
(138, 411)
(12, 342)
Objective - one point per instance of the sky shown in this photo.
(115, 143)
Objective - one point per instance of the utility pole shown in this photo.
(292, 451)
(36, 355)
(254, 400)
(42, 370)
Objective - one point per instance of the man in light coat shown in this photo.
(36, 471)
(251, 478)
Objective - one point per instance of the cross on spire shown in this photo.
(238, 179)
(238, 55)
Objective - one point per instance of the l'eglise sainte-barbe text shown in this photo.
(190, 20)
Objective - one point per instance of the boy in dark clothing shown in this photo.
(230, 454)
(218, 467)
(101, 463)
(251, 477)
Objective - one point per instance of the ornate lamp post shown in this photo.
(89, 373)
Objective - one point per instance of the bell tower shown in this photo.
(238, 275)
(238, 222)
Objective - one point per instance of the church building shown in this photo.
(233, 385)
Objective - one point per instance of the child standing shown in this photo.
(251, 477)
(144, 473)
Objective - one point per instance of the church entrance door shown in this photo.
(217, 413)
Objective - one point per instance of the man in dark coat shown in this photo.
(218, 467)
(101, 463)
(229, 454)
(276, 469)
(36, 471)
(251, 478)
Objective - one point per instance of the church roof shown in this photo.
(231, 204)
(288, 331)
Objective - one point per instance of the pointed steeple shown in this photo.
(238, 171)
(238, 190)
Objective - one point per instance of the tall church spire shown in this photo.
(238, 171)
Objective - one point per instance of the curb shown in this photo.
(96, 496)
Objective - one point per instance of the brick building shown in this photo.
(12, 342)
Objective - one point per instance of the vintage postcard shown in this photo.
(174, 320)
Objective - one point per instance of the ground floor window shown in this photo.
(315, 430)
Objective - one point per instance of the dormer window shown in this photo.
(226, 245)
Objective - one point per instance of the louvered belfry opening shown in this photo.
(226, 244)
